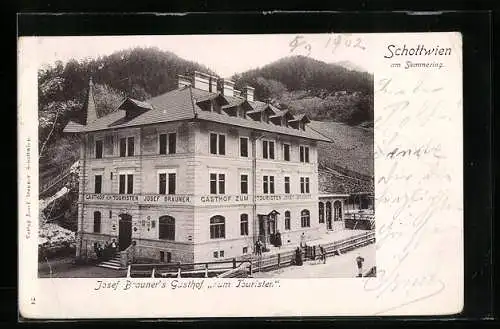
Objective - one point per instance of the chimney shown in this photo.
(228, 88)
(237, 93)
(183, 81)
(91, 109)
(201, 81)
(213, 84)
(248, 93)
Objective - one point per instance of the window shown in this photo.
(305, 219)
(244, 147)
(166, 183)
(123, 147)
(130, 146)
(126, 183)
(287, 220)
(97, 183)
(287, 185)
(321, 212)
(166, 228)
(304, 185)
(217, 144)
(170, 140)
(286, 152)
(268, 149)
(268, 184)
(127, 146)
(98, 149)
(244, 184)
(213, 183)
(97, 222)
(217, 183)
(218, 254)
(243, 224)
(217, 227)
(304, 154)
(110, 214)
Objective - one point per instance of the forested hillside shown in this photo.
(62, 88)
(323, 91)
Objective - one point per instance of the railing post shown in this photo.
(153, 273)
(128, 271)
(179, 272)
(206, 270)
(234, 262)
(279, 260)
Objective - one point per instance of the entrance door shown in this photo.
(125, 231)
(272, 227)
(262, 228)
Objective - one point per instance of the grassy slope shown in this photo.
(352, 147)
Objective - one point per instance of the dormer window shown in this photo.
(265, 117)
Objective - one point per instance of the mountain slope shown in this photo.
(305, 85)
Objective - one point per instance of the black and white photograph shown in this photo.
(184, 157)
(184, 175)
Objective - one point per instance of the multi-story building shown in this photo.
(196, 174)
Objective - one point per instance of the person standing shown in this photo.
(302, 240)
(359, 263)
(323, 253)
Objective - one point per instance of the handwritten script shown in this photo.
(412, 187)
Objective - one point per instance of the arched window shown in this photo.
(97, 222)
(287, 220)
(244, 224)
(305, 218)
(321, 212)
(166, 228)
(337, 208)
(217, 227)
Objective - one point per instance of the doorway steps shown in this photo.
(113, 263)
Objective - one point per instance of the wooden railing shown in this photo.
(169, 270)
(264, 263)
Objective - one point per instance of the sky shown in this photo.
(224, 54)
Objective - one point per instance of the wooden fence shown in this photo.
(245, 266)
(191, 270)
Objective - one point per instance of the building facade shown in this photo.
(196, 174)
(331, 211)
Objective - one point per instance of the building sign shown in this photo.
(180, 199)
(282, 197)
(165, 199)
(224, 198)
(112, 197)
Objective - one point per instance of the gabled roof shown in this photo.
(180, 104)
(301, 117)
(140, 104)
(281, 114)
